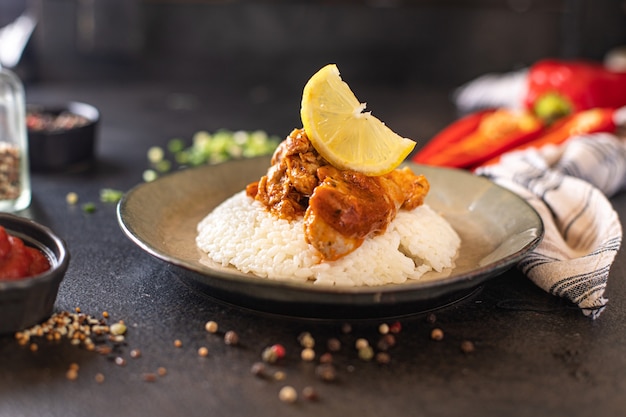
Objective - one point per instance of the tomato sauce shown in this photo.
(18, 260)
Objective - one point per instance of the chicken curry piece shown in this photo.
(341, 208)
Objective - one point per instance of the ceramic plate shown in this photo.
(496, 227)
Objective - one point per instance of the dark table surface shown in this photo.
(533, 354)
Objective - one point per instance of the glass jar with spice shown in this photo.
(15, 192)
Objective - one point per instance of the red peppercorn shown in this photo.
(279, 351)
(395, 327)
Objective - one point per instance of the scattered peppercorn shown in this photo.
(203, 351)
(326, 358)
(149, 377)
(366, 353)
(395, 327)
(162, 371)
(280, 376)
(288, 394)
(306, 340)
(383, 328)
(105, 314)
(269, 355)
(383, 358)
(231, 338)
(135, 353)
(178, 343)
(361, 343)
(309, 393)
(120, 361)
(307, 354)
(259, 369)
(104, 350)
(386, 342)
(71, 374)
(80, 329)
(211, 326)
(118, 329)
(467, 346)
(272, 354)
(326, 372)
(333, 344)
(436, 334)
(99, 378)
(279, 350)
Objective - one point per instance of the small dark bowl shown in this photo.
(29, 301)
(56, 149)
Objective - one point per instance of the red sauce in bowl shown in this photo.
(18, 260)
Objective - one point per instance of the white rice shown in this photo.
(241, 233)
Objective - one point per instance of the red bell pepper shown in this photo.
(557, 88)
(585, 122)
(478, 137)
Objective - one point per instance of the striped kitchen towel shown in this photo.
(569, 186)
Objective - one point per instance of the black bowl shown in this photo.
(63, 147)
(28, 301)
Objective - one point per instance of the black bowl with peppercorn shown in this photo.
(61, 137)
(33, 262)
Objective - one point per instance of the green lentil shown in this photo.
(89, 207)
(109, 195)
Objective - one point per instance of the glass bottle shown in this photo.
(15, 192)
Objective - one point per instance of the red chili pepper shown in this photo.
(557, 88)
(585, 122)
(476, 138)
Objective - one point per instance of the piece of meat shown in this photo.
(348, 206)
(291, 178)
(341, 208)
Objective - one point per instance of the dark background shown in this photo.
(386, 41)
(404, 58)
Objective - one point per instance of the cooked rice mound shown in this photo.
(241, 233)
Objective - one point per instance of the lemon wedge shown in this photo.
(342, 133)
